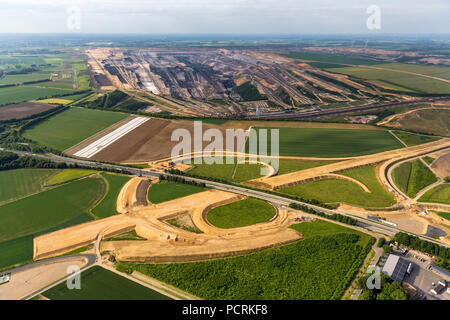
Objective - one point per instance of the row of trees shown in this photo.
(181, 180)
(335, 216)
(414, 242)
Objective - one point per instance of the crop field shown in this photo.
(343, 191)
(166, 190)
(439, 194)
(28, 92)
(41, 213)
(44, 210)
(330, 143)
(393, 75)
(445, 215)
(107, 207)
(68, 175)
(411, 139)
(102, 284)
(22, 182)
(72, 126)
(228, 172)
(241, 213)
(21, 78)
(326, 60)
(56, 101)
(287, 166)
(23, 110)
(411, 177)
(319, 267)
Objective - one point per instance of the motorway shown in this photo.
(321, 113)
(275, 199)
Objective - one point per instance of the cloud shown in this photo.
(225, 16)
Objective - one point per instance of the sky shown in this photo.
(224, 16)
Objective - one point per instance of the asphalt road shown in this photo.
(279, 200)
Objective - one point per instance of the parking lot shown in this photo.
(422, 279)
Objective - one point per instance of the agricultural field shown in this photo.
(241, 213)
(404, 77)
(28, 92)
(23, 110)
(102, 284)
(72, 126)
(319, 267)
(22, 78)
(287, 166)
(411, 177)
(107, 207)
(325, 60)
(19, 183)
(343, 191)
(439, 194)
(333, 143)
(68, 175)
(167, 190)
(430, 120)
(411, 139)
(41, 213)
(227, 172)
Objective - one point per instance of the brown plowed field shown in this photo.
(23, 110)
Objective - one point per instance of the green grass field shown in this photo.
(331, 60)
(343, 191)
(390, 75)
(27, 92)
(107, 207)
(44, 210)
(67, 175)
(439, 194)
(42, 213)
(411, 139)
(22, 182)
(165, 191)
(411, 177)
(445, 215)
(21, 78)
(70, 127)
(287, 166)
(101, 284)
(330, 143)
(228, 172)
(15, 251)
(319, 267)
(241, 213)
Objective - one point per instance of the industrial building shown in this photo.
(395, 268)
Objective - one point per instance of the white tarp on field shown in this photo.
(110, 138)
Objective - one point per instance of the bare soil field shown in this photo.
(23, 110)
(442, 165)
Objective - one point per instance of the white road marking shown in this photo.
(110, 138)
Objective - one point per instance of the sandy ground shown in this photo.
(166, 243)
(34, 277)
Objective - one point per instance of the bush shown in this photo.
(387, 249)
